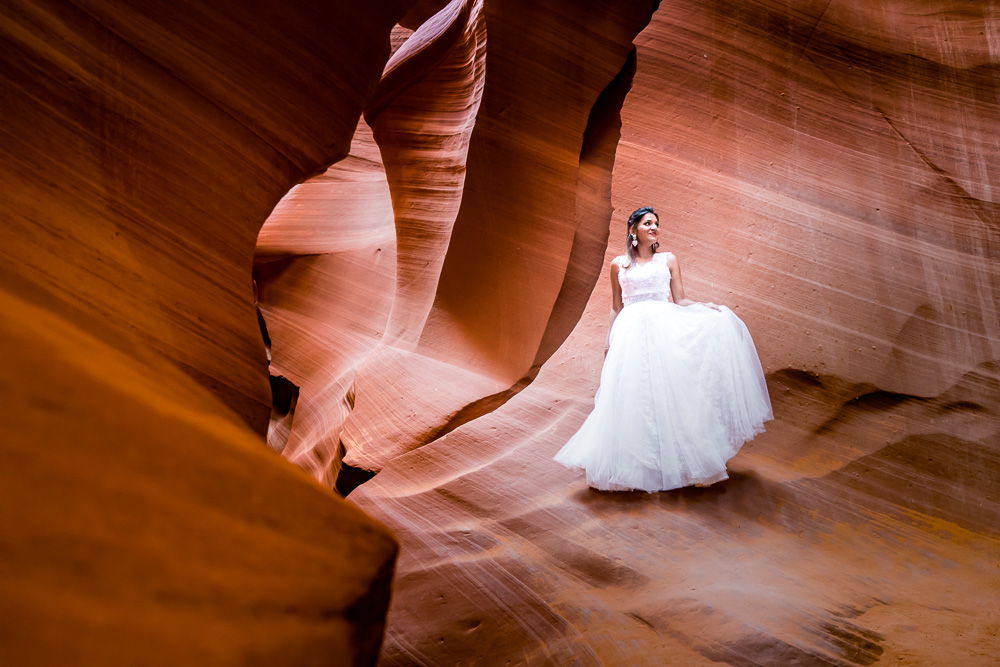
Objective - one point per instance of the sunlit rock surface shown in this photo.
(487, 159)
(145, 521)
(447, 351)
(830, 171)
(423, 115)
(325, 270)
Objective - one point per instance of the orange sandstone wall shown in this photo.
(145, 521)
(838, 185)
(513, 193)
(325, 269)
(829, 169)
(497, 144)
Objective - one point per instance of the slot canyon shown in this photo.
(300, 299)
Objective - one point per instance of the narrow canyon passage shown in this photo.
(420, 199)
(808, 178)
(818, 181)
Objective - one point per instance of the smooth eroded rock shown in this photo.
(828, 171)
(145, 519)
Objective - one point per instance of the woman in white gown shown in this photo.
(681, 388)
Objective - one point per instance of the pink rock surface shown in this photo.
(829, 171)
(422, 115)
(510, 184)
(325, 268)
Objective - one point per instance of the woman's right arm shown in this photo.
(616, 302)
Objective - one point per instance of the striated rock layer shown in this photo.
(325, 267)
(145, 520)
(423, 115)
(501, 162)
(830, 171)
(381, 383)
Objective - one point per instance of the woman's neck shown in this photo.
(644, 254)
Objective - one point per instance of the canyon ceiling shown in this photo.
(420, 199)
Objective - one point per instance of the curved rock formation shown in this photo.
(325, 267)
(422, 114)
(519, 212)
(830, 171)
(827, 168)
(144, 519)
(426, 115)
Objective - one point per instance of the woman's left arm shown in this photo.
(677, 286)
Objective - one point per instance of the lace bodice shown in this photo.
(645, 282)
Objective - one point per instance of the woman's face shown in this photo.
(645, 230)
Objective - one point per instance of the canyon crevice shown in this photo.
(145, 521)
(829, 172)
(420, 200)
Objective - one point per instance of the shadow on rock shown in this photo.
(743, 499)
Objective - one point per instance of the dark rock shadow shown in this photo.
(744, 499)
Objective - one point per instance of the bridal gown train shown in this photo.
(681, 390)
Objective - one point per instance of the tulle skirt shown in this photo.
(681, 390)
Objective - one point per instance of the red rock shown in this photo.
(325, 267)
(829, 174)
(468, 332)
(828, 169)
(145, 521)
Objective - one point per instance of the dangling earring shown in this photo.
(635, 240)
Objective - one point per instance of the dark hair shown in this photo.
(637, 215)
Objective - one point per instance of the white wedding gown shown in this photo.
(681, 391)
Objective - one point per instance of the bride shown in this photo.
(681, 388)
